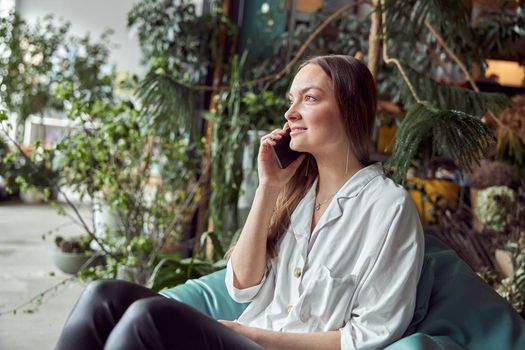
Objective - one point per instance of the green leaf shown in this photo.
(451, 97)
(455, 135)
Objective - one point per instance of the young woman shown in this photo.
(330, 254)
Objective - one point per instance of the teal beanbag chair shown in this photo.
(455, 309)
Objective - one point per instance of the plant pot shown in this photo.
(106, 221)
(31, 196)
(71, 262)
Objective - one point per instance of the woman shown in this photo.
(330, 254)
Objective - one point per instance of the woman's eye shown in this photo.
(309, 98)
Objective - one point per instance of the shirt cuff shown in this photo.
(241, 295)
(346, 339)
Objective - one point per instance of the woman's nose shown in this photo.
(291, 113)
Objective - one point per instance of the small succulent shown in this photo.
(494, 207)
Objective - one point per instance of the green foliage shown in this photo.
(149, 179)
(229, 134)
(171, 270)
(454, 134)
(264, 110)
(178, 47)
(489, 35)
(172, 31)
(80, 244)
(35, 59)
(495, 31)
(450, 97)
(32, 171)
(510, 148)
(512, 288)
(167, 101)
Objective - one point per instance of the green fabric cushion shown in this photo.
(455, 309)
(208, 294)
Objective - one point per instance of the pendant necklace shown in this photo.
(317, 206)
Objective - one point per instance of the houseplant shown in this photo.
(74, 253)
(35, 58)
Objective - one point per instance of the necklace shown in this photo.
(317, 206)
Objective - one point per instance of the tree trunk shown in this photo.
(374, 44)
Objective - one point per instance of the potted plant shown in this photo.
(74, 253)
(488, 174)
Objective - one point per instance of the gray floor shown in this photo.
(26, 269)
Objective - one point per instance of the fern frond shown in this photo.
(450, 97)
(455, 135)
(167, 102)
(405, 21)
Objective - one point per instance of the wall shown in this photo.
(92, 16)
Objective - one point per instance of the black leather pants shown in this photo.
(113, 314)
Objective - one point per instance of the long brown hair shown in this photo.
(355, 92)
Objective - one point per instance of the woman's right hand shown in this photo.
(270, 175)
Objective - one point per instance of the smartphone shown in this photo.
(284, 154)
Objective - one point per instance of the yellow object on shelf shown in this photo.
(385, 139)
(508, 73)
(446, 190)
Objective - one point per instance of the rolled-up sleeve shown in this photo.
(241, 295)
(385, 300)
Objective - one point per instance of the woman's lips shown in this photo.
(296, 131)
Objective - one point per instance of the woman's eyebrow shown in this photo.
(303, 90)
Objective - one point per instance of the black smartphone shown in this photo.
(285, 155)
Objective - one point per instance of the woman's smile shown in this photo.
(296, 131)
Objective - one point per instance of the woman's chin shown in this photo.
(295, 147)
(300, 148)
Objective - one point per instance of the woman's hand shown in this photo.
(248, 332)
(269, 172)
(273, 340)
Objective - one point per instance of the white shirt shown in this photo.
(358, 274)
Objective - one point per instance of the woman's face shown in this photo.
(313, 115)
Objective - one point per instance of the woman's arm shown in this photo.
(272, 340)
(248, 258)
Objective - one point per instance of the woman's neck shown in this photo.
(333, 175)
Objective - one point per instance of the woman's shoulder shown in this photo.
(383, 188)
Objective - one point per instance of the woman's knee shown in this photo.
(152, 307)
(162, 311)
(102, 289)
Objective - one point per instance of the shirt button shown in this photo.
(297, 272)
(289, 309)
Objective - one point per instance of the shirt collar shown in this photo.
(359, 180)
(301, 219)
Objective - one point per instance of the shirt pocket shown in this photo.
(326, 299)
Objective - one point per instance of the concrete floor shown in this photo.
(26, 269)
